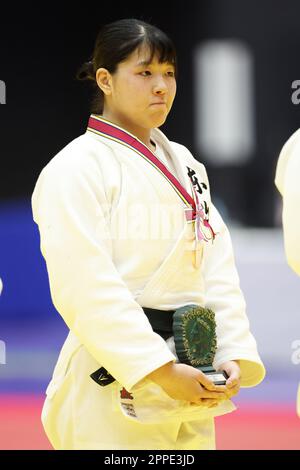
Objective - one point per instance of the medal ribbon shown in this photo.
(194, 210)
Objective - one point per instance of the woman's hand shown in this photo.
(233, 384)
(184, 382)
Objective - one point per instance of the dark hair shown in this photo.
(115, 42)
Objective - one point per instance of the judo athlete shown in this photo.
(287, 183)
(127, 224)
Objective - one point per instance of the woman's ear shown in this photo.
(103, 79)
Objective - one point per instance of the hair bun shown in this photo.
(86, 71)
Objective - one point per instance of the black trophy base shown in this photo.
(218, 377)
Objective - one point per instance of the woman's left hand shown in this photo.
(233, 382)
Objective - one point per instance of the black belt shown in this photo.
(161, 321)
(162, 324)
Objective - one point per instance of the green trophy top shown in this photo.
(195, 338)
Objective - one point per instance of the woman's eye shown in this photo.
(146, 73)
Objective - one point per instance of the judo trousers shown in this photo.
(79, 414)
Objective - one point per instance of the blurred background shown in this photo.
(236, 105)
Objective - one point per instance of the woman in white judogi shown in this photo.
(287, 182)
(126, 223)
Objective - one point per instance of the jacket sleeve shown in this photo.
(70, 207)
(224, 297)
(291, 208)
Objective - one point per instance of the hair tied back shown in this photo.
(86, 71)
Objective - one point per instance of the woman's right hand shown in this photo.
(184, 382)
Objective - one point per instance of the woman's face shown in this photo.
(141, 93)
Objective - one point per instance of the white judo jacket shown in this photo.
(116, 238)
(287, 182)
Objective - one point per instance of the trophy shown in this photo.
(194, 329)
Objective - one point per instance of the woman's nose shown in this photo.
(160, 86)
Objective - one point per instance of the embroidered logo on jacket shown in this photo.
(128, 408)
(198, 186)
(203, 229)
(124, 394)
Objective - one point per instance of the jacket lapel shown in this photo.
(106, 129)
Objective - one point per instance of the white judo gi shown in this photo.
(115, 238)
(287, 181)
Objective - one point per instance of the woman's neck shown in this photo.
(142, 134)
